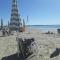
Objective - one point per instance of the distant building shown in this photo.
(15, 21)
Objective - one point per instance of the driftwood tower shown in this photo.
(15, 20)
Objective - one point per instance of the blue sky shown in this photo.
(40, 12)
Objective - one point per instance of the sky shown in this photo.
(39, 12)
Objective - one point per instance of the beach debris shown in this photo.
(49, 32)
(24, 47)
(55, 53)
(21, 29)
(3, 32)
(6, 32)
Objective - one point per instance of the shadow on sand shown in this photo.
(2, 36)
(13, 57)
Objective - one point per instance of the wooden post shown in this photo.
(20, 47)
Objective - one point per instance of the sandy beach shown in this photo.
(46, 44)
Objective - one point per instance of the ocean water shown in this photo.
(45, 27)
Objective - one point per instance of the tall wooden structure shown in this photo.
(15, 20)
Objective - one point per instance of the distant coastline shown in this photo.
(45, 26)
(42, 25)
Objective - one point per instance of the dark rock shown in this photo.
(55, 53)
(58, 30)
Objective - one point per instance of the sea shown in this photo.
(44, 27)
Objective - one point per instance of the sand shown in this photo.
(45, 44)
